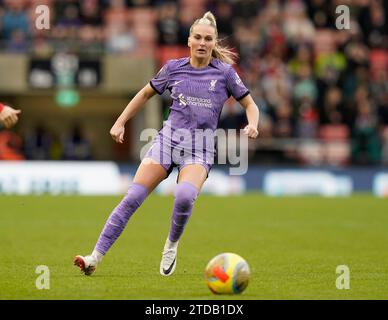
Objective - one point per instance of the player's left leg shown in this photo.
(190, 181)
(149, 174)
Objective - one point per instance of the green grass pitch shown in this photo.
(293, 246)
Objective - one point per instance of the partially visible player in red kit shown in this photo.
(8, 116)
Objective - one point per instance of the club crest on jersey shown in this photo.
(212, 85)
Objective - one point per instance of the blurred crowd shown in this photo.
(311, 80)
(42, 143)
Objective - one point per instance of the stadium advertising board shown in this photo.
(380, 185)
(289, 182)
(71, 177)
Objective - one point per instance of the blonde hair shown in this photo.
(225, 54)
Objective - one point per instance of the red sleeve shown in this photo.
(1, 107)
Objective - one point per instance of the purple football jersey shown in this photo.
(198, 94)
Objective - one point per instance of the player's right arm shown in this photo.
(8, 115)
(138, 101)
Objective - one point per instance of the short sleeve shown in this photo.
(160, 82)
(234, 84)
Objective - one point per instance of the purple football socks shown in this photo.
(120, 216)
(185, 195)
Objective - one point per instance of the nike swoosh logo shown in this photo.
(177, 82)
(167, 271)
(113, 224)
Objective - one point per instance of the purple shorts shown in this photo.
(170, 157)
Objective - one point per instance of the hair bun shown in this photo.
(210, 16)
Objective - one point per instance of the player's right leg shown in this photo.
(149, 174)
(190, 180)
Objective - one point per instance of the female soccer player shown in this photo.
(199, 86)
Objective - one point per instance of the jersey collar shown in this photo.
(211, 63)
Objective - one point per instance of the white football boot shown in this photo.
(169, 257)
(87, 264)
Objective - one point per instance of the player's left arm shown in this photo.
(252, 112)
